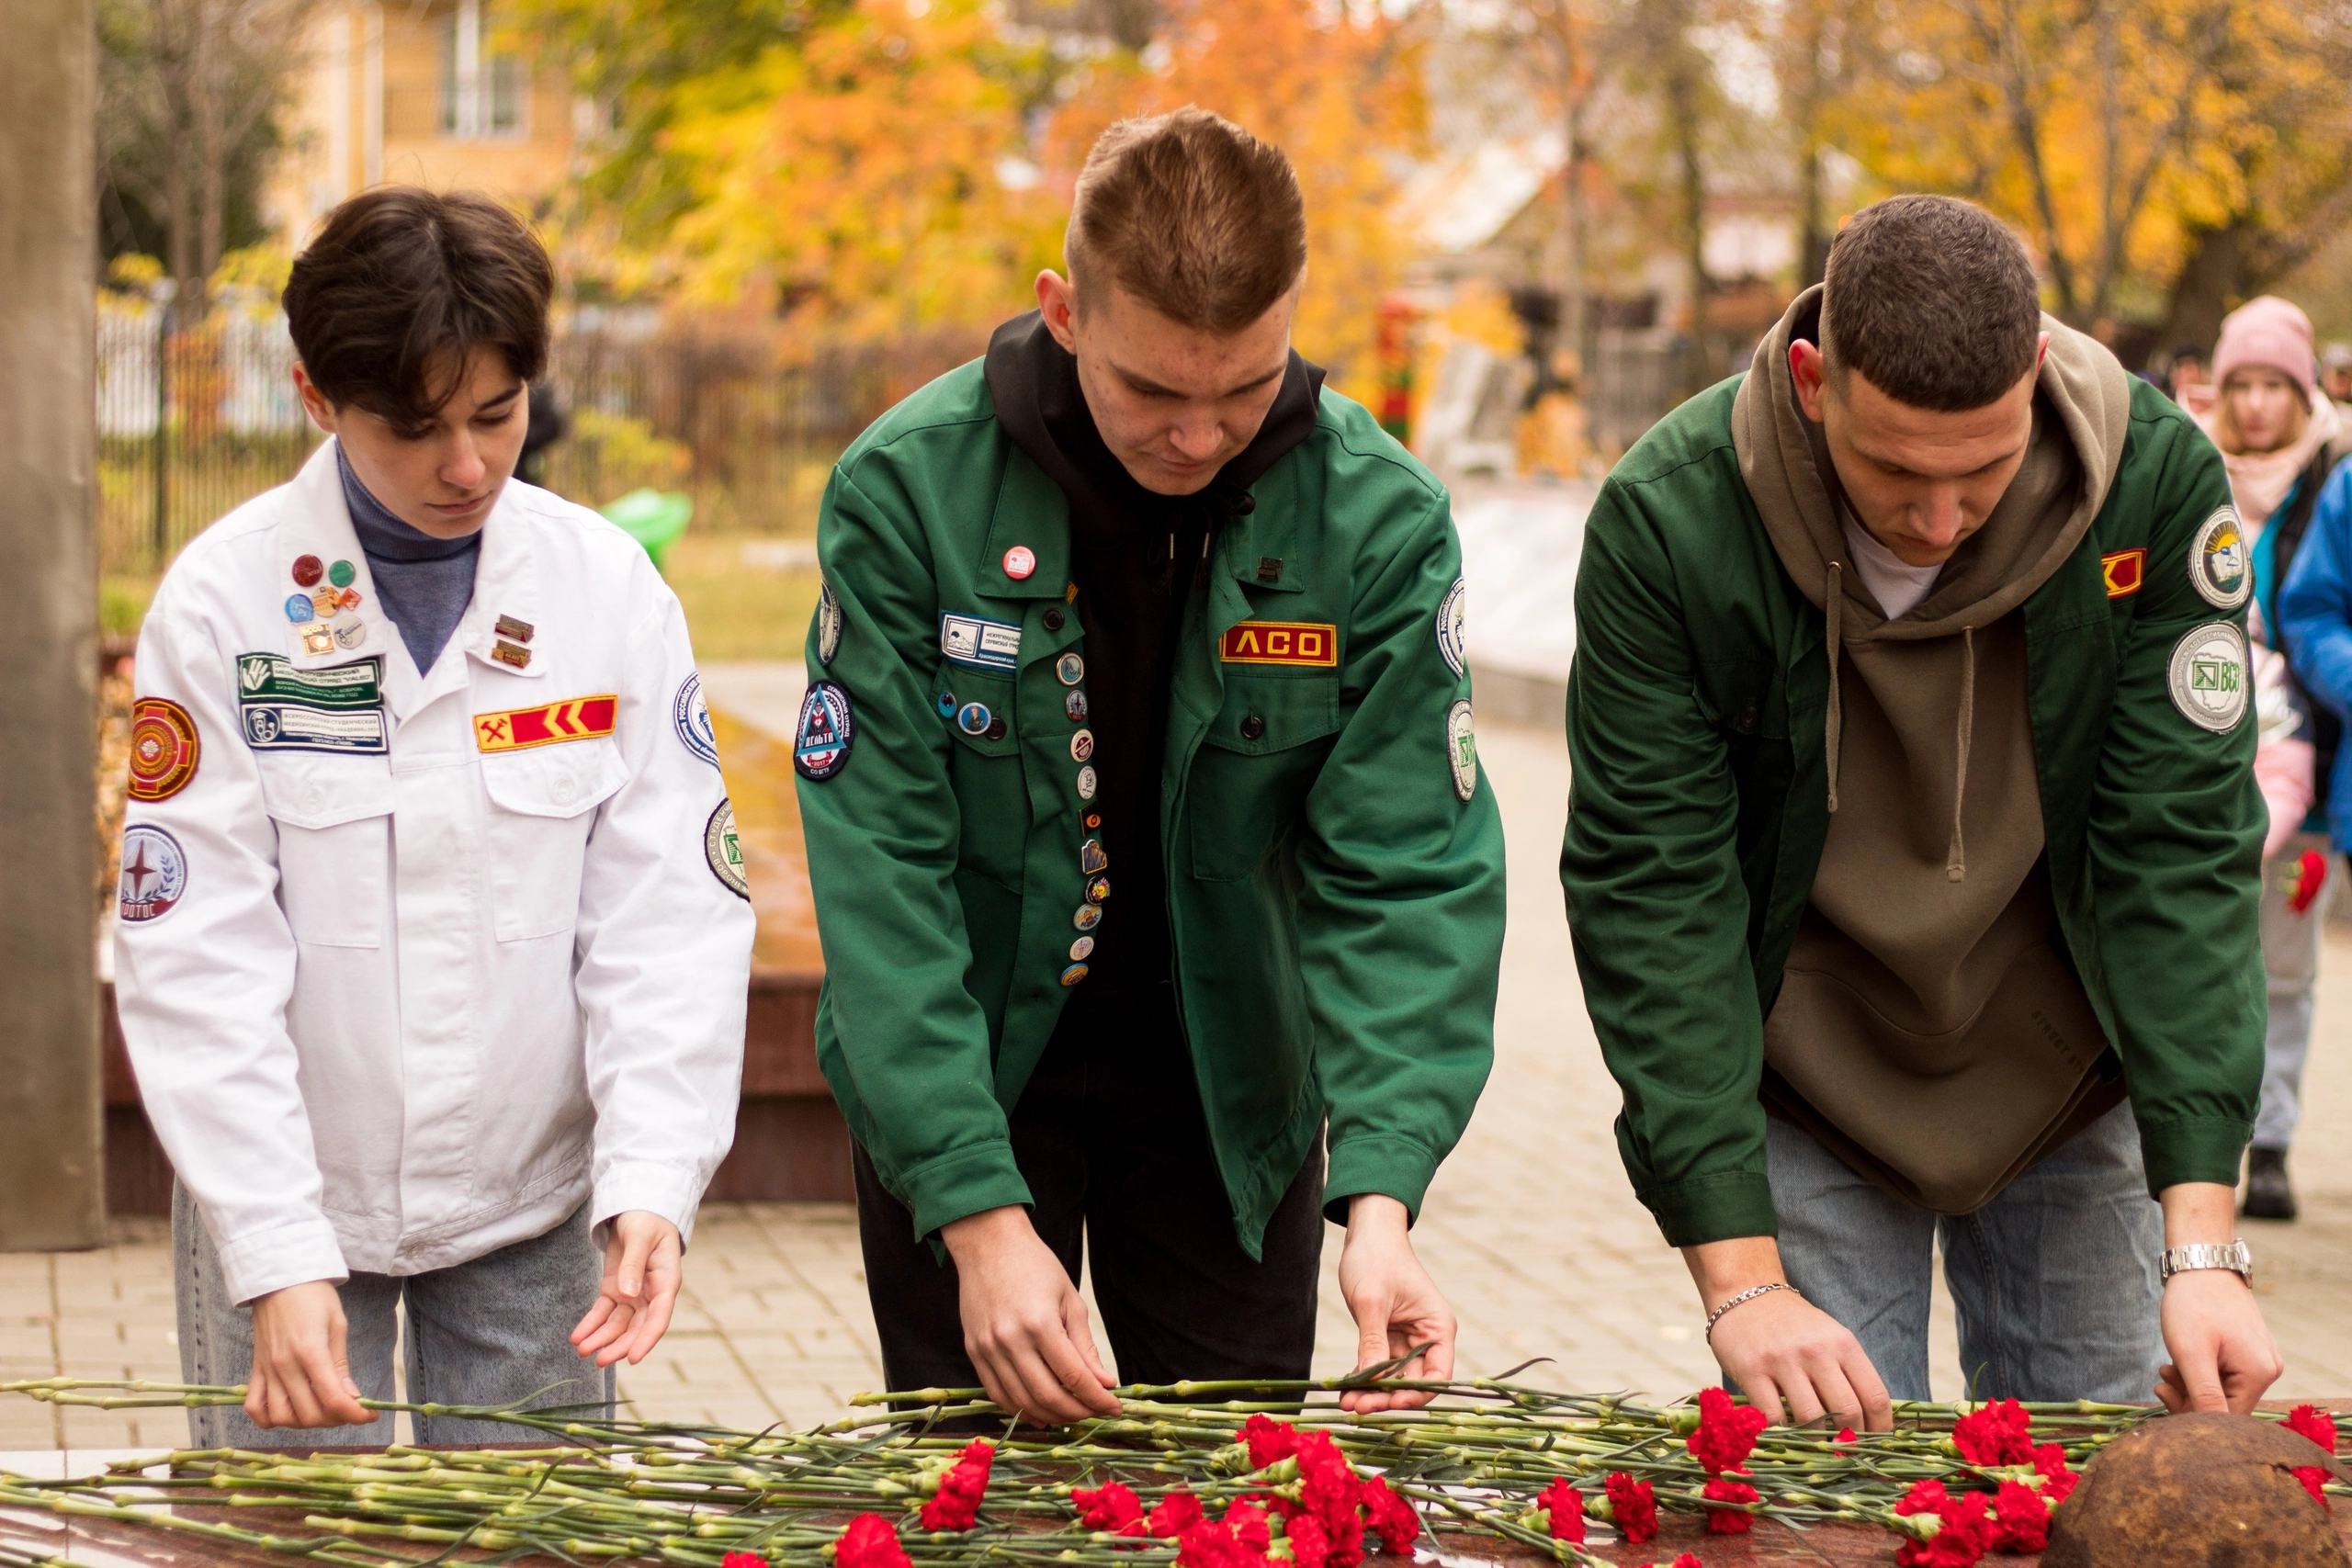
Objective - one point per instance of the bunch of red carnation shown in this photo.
(957, 1504)
(1325, 1525)
(1998, 1434)
(2317, 1425)
(1633, 1506)
(870, 1541)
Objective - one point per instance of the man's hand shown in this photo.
(1025, 1323)
(1395, 1303)
(2222, 1354)
(1779, 1346)
(643, 1268)
(302, 1376)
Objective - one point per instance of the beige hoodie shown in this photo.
(1928, 1028)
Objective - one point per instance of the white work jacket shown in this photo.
(410, 966)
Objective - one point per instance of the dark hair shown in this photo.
(1932, 301)
(2188, 351)
(1192, 215)
(397, 278)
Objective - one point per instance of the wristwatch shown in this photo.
(2209, 1255)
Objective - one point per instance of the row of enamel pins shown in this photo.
(324, 620)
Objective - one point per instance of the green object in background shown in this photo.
(654, 518)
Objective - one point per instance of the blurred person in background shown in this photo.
(2277, 431)
(2186, 375)
(2336, 372)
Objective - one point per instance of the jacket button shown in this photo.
(1252, 727)
(1745, 722)
(1053, 619)
(564, 790)
(996, 729)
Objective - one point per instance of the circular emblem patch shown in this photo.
(349, 633)
(1082, 746)
(1462, 749)
(1069, 669)
(1452, 632)
(2207, 676)
(1082, 949)
(1020, 561)
(972, 718)
(164, 748)
(1088, 917)
(2218, 561)
(1086, 782)
(829, 623)
(307, 571)
(691, 716)
(154, 874)
(299, 607)
(723, 847)
(821, 746)
(1098, 889)
(1073, 974)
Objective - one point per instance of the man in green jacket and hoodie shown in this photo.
(1132, 604)
(1912, 850)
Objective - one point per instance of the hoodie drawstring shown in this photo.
(1834, 721)
(1956, 861)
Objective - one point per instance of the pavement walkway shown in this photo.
(1530, 1228)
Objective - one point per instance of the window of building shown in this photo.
(482, 94)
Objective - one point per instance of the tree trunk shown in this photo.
(2213, 281)
(208, 153)
(1682, 107)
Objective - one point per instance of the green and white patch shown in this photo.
(723, 847)
(274, 678)
(2208, 677)
(1462, 749)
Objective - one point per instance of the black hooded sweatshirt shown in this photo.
(1134, 556)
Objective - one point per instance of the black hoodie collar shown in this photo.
(1033, 382)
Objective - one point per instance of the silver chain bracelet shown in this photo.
(1748, 1294)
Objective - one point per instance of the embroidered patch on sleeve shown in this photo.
(2219, 564)
(1452, 628)
(154, 874)
(518, 729)
(164, 748)
(723, 847)
(1282, 642)
(2207, 676)
(690, 716)
(2124, 570)
(1462, 749)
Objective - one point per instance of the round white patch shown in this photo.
(829, 623)
(2221, 564)
(723, 847)
(690, 716)
(2207, 676)
(1462, 749)
(1452, 630)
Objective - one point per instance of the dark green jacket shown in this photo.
(1336, 910)
(1699, 808)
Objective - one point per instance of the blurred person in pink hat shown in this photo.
(2277, 433)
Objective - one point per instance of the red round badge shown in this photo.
(164, 748)
(1020, 561)
(308, 570)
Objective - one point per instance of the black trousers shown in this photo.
(1110, 1135)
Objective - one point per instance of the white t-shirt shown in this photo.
(1897, 585)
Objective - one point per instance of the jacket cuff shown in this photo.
(2195, 1150)
(1713, 1208)
(966, 1181)
(261, 1261)
(657, 1189)
(1382, 1163)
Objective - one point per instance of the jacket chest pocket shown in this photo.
(1248, 781)
(334, 817)
(542, 807)
(984, 770)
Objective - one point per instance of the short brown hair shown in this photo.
(397, 277)
(1934, 301)
(1192, 215)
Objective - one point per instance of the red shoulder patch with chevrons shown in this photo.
(574, 719)
(2124, 570)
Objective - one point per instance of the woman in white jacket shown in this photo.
(432, 942)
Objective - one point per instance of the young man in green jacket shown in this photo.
(1911, 856)
(1132, 605)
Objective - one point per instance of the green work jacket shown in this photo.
(1700, 809)
(1335, 902)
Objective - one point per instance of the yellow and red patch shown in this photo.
(164, 748)
(518, 729)
(1282, 642)
(2124, 570)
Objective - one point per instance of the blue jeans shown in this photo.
(494, 1331)
(2054, 1281)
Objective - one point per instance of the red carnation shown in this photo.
(1728, 1521)
(1212, 1545)
(1998, 1434)
(1113, 1508)
(1964, 1530)
(2313, 1478)
(2314, 1423)
(2057, 1481)
(1845, 1437)
(742, 1560)
(1726, 1433)
(1269, 1441)
(957, 1502)
(1330, 1491)
(1565, 1505)
(1310, 1544)
(1247, 1523)
(1174, 1514)
(1634, 1506)
(870, 1542)
(2020, 1518)
(1394, 1518)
